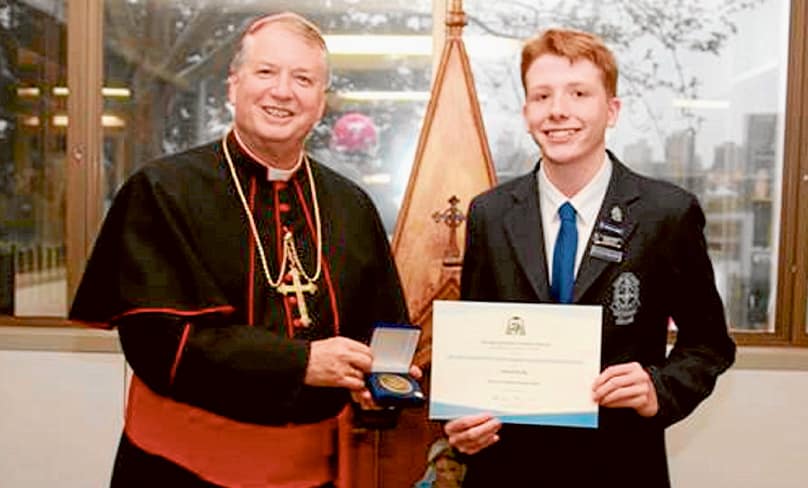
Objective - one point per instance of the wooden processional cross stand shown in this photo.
(427, 246)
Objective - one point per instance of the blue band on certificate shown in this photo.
(567, 419)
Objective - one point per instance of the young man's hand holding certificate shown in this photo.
(524, 363)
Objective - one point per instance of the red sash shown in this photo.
(236, 454)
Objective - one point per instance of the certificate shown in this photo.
(525, 363)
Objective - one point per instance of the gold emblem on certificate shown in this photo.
(395, 383)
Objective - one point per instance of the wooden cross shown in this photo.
(298, 288)
(452, 217)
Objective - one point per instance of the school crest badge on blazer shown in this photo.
(625, 298)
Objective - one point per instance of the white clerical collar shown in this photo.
(277, 174)
(273, 173)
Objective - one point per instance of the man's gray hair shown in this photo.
(292, 21)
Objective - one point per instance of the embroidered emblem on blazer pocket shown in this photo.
(625, 298)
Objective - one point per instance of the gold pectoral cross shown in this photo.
(298, 288)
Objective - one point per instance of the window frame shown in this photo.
(798, 176)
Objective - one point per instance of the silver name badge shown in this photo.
(606, 254)
(607, 241)
(611, 229)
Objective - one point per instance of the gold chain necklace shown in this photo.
(289, 256)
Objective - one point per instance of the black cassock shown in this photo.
(176, 254)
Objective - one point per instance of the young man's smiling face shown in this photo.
(567, 110)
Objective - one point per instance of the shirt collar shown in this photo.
(587, 201)
(277, 174)
(273, 173)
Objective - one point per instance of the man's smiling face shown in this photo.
(278, 91)
(567, 109)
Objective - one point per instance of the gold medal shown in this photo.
(395, 383)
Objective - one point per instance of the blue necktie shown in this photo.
(564, 255)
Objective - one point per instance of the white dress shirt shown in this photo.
(586, 202)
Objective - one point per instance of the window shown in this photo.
(165, 66)
(712, 101)
(33, 117)
(704, 106)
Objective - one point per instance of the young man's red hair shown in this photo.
(573, 45)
